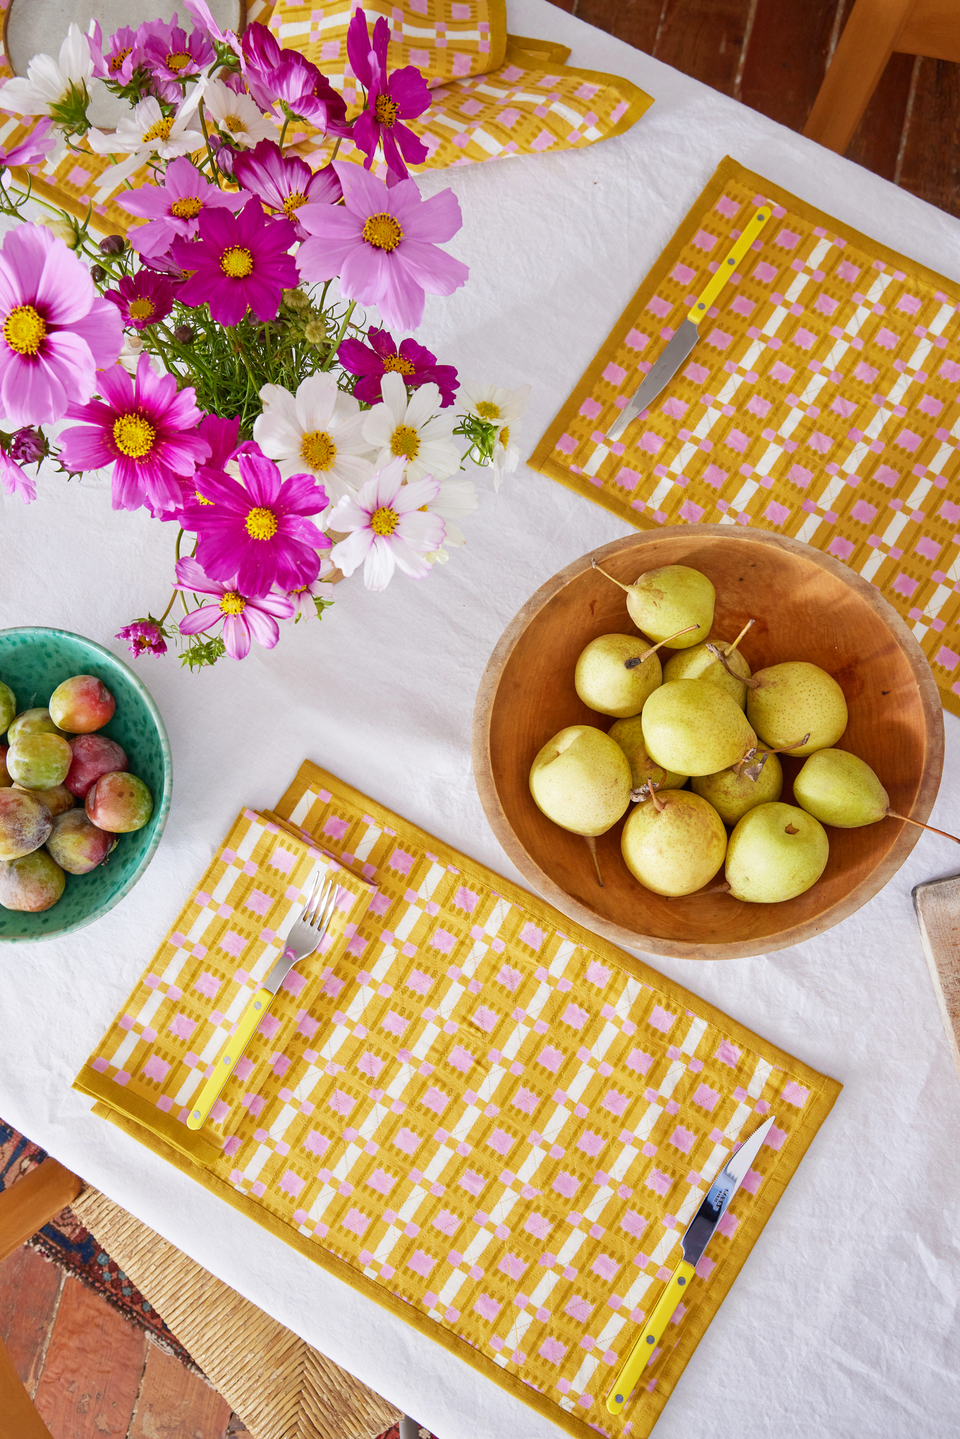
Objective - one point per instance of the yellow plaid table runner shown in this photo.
(477, 1113)
(821, 402)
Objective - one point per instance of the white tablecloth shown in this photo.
(846, 1318)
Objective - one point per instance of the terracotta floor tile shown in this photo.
(94, 1365)
(176, 1404)
(29, 1294)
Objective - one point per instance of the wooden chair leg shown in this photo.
(18, 1418)
(868, 40)
(31, 1203)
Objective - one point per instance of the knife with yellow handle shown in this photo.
(698, 1234)
(666, 365)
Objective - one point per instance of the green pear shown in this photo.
(674, 842)
(776, 852)
(581, 780)
(840, 789)
(616, 673)
(692, 727)
(8, 706)
(665, 601)
(788, 701)
(732, 794)
(628, 734)
(698, 663)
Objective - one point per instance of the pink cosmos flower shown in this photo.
(142, 299)
(173, 209)
(284, 183)
(302, 598)
(34, 148)
(412, 362)
(55, 330)
(257, 531)
(275, 74)
(14, 481)
(142, 427)
(121, 57)
(401, 95)
(238, 262)
(244, 617)
(390, 527)
(203, 16)
(145, 638)
(382, 242)
(170, 54)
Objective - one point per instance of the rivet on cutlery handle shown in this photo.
(650, 1336)
(729, 262)
(227, 1061)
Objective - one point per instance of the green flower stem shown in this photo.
(340, 334)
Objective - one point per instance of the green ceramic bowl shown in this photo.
(33, 661)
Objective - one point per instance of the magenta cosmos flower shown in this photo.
(244, 617)
(258, 531)
(238, 262)
(391, 98)
(382, 242)
(275, 74)
(284, 183)
(390, 526)
(170, 54)
(56, 330)
(144, 637)
(34, 148)
(14, 481)
(121, 57)
(172, 210)
(412, 362)
(140, 426)
(142, 299)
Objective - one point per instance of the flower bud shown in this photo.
(28, 446)
(225, 160)
(296, 300)
(97, 274)
(64, 228)
(183, 334)
(315, 332)
(113, 245)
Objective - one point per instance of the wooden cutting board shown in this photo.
(937, 903)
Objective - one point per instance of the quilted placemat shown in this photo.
(484, 1117)
(821, 402)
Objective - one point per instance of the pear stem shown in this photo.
(628, 588)
(731, 647)
(741, 766)
(635, 660)
(892, 814)
(721, 655)
(591, 844)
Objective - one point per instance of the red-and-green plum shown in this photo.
(8, 706)
(119, 803)
(81, 704)
(4, 773)
(35, 721)
(25, 823)
(39, 761)
(93, 755)
(77, 845)
(57, 800)
(33, 882)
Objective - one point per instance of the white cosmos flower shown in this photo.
(493, 403)
(389, 525)
(236, 115)
(412, 427)
(48, 83)
(506, 453)
(144, 133)
(457, 498)
(319, 431)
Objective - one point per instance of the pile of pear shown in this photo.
(702, 717)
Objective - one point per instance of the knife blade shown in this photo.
(678, 348)
(696, 1237)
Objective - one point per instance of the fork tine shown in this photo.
(321, 921)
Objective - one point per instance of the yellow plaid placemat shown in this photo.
(821, 402)
(479, 1114)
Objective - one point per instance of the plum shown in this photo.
(77, 845)
(81, 704)
(39, 761)
(8, 705)
(57, 800)
(32, 882)
(24, 823)
(35, 721)
(93, 755)
(4, 774)
(119, 803)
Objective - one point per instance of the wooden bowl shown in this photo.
(807, 606)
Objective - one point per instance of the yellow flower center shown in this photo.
(294, 201)
(142, 309)
(487, 410)
(24, 330)
(318, 450)
(117, 62)
(188, 208)
(158, 131)
(134, 435)
(234, 123)
(405, 442)
(232, 603)
(505, 436)
(261, 524)
(384, 521)
(382, 231)
(386, 110)
(398, 365)
(141, 642)
(201, 499)
(179, 61)
(237, 262)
